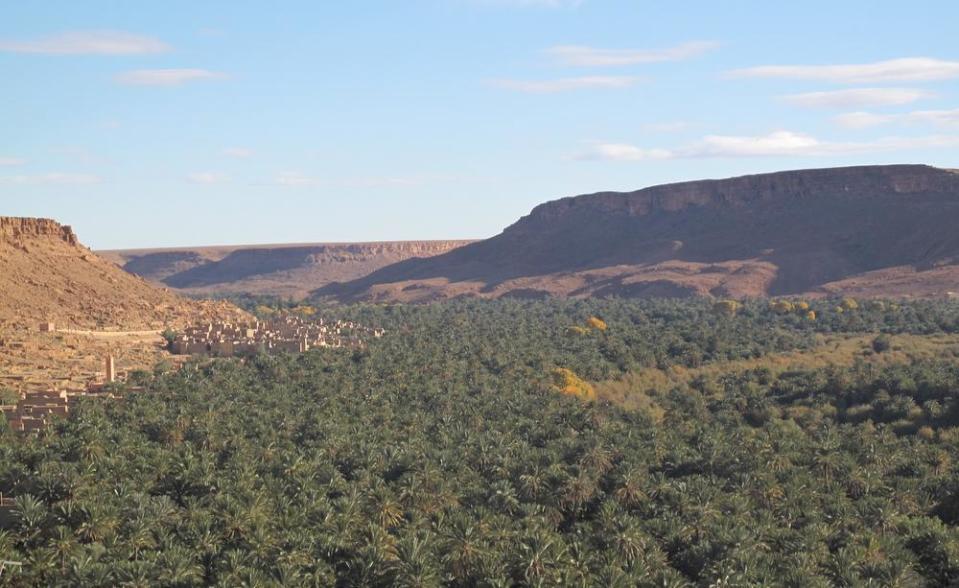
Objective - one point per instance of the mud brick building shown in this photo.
(287, 334)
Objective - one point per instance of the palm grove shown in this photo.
(446, 454)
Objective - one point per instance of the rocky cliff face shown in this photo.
(795, 232)
(782, 187)
(46, 275)
(16, 229)
(285, 270)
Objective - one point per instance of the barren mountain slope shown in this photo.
(284, 270)
(872, 230)
(46, 275)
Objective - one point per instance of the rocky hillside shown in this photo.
(47, 276)
(284, 270)
(869, 231)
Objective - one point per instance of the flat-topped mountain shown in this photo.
(284, 270)
(46, 275)
(868, 231)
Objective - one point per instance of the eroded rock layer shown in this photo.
(872, 230)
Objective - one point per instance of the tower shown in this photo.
(110, 369)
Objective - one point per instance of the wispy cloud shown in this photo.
(860, 120)
(910, 69)
(582, 56)
(51, 178)
(858, 97)
(166, 77)
(779, 143)
(87, 43)
(208, 177)
(238, 152)
(567, 84)
(11, 161)
(295, 179)
(623, 152)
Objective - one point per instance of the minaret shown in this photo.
(111, 369)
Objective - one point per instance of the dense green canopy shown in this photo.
(442, 454)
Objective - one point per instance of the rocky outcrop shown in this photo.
(46, 275)
(17, 229)
(285, 270)
(788, 186)
(795, 232)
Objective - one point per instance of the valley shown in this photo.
(291, 270)
(594, 385)
(479, 294)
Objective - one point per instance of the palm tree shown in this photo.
(178, 568)
(32, 514)
(464, 546)
(415, 564)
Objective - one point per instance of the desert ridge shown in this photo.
(66, 313)
(47, 275)
(869, 231)
(288, 270)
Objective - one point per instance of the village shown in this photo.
(289, 333)
(36, 409)
(47, 371)
(52, 390)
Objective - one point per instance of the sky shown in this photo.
(176, 123)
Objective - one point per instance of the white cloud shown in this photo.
(936, 117)
(208, 177)
(858, 97)
(238, 152)
(580, 56)
(779, 143)
(910, 69)
(88, 43)
(625, 152)
(566, 84)
(52, 178)
(11, 161)
(861, 120)
(166, 77)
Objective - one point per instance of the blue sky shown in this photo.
(172, 123)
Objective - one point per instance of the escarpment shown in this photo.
(810, 232)
(286, 270)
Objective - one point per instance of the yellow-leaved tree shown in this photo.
(727, 307)
(569, 383)
(596, 323)
(782, 306)
(850, 303)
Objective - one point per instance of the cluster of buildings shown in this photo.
(290, 333)
(37, 409)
